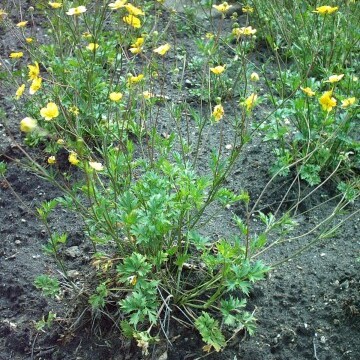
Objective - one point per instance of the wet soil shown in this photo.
(307, 308)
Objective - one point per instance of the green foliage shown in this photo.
(45, 322)
(45, 209)
(132, 167)
(142, 304)
(48, 285)
(55, 242)
(2, 168)
(209, 330)
(98, 299)
(294, 30)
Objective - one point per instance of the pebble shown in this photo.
(188, 83)
(72, 274)
(73, 251)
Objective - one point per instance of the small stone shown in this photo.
(188, 84)
(23, 220)
(164, 356)
(17, 242)
(73, 274)
(73, 251)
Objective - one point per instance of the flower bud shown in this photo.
(254, 76)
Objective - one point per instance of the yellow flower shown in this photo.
(133, 10)
(73, 160)
(96, 165)
(163, 49)
(19, 91)
(76, 11)
(51, 160)
(247, 31)
(308, 91)
(2, 14)
(117, 4)
(247, 9)
(147, 95)
(34, 71)
(250, 102)
(16, 55)
(132, 280)
(139, 42)
(55, 5)
(21, 24)
(218, 112)
(74, 110)
(60, 141)
(115, 96)
(135, 79)
(209, 35)
(348, 102)
(324, 10)
(86, 35)
(92, 46)
(334, 78)
(254, 76)
(217, 70)
(223, 8)
(29, 40)
(136, 47)
(35, 85)
(132, 21)
(135, 50)
(327, 101)
(28, 124)
(49, 112)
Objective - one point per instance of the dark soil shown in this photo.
(307, 308)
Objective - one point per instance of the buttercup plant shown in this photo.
(98, 91)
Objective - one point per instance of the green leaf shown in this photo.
(2, 168)
(231, 310)
(310, 173)
(258, 271)
(181, 259)
(46, 207)
(45, 322)
(49, 286)
(127, 329)
(241, 225)
(199, 241)
(210, 331)
(258, 242)
(97, 300)
(136, 264)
